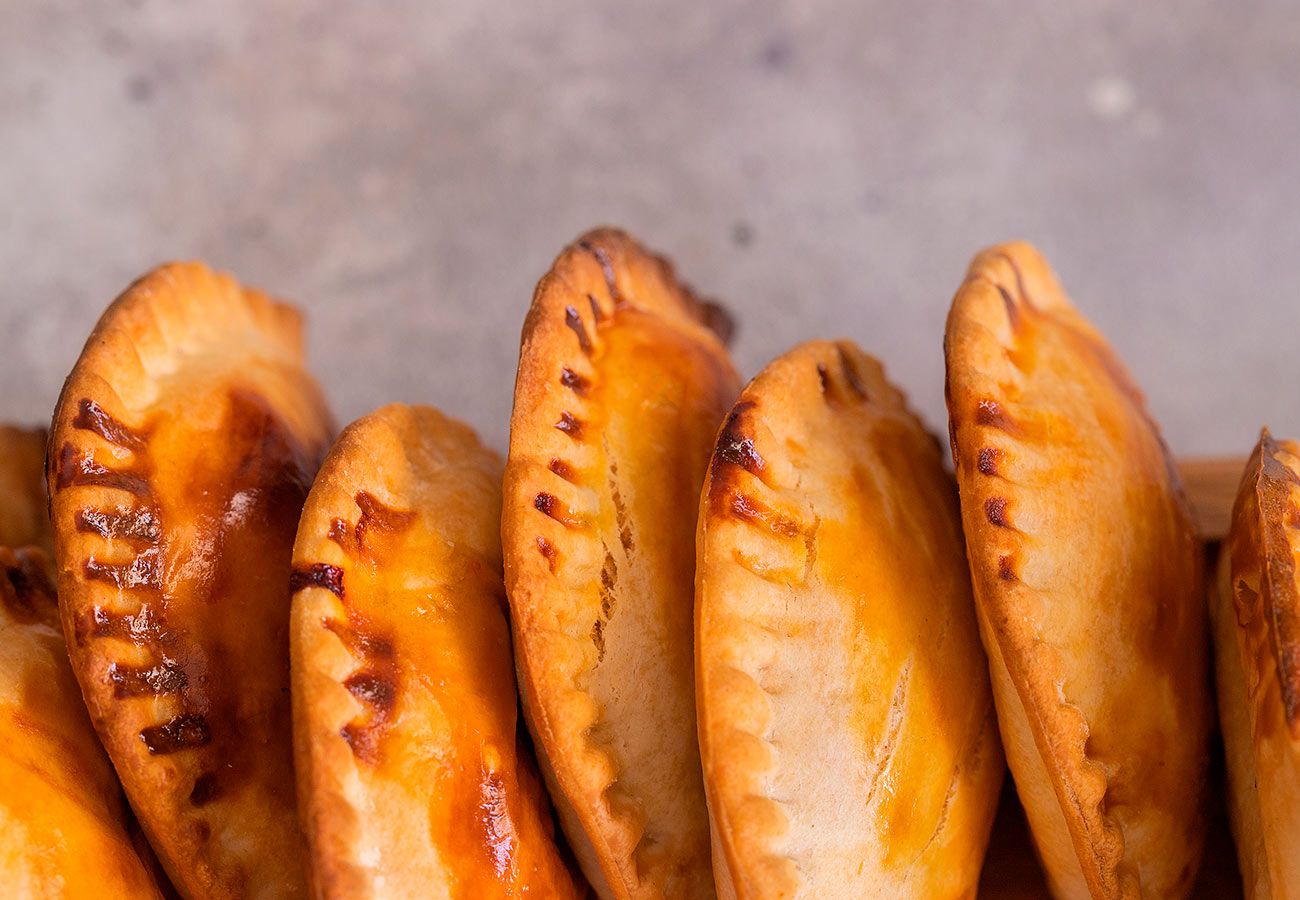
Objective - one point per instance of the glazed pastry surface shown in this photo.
(181, 452)
(1087, 577)
(622, 385)
(63, 820)
(1256, 617)
(846, 726)
(412, 777)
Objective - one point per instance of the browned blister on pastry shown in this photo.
(24, 517)
(1087, 577)
(412, 778)
(181, 452)
(846, 722)
(1256, 617)
(63, 820)
(622, 384)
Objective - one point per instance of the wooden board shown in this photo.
(1211, 486)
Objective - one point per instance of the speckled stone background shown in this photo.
(407, 170)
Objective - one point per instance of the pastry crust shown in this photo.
(846, 723)
(622, 383)
(181, 451)
(411, 778)
(1087, 582)
(24, 519)
(63, 820)
(1256, 617)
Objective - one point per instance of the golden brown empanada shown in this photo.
(24, 519)
(182, 449)
(622, 385)
(1087, 579)
(1256, 617)
(411, 778)
(63, 822)
(846, 723)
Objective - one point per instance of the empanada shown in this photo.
(63, 821)
(846, 723)
(411, 778)
(182, 449)
(24, 518)
(1087, 577)
(1256, 617)
(622, 385)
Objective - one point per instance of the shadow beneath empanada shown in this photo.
(1011, 870)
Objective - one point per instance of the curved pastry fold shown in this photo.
(63, 821)
(181, 451)
(622, 383)
(846, 722)
(1256, 618)
(1087, 581)
(412, 780)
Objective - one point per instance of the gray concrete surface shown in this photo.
(406, 170)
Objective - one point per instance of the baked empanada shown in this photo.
(411, 778)
(182, 449)
(1087, 577)
(63, 821)
(846, 723)
(1256, 617)
(622, 384)
(24, 518)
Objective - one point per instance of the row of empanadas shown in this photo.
(766, 645)
(179, 468)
